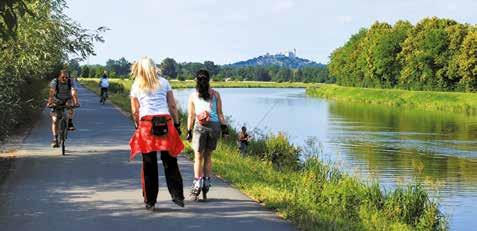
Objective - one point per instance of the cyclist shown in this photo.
(63, 91)
(104, 84)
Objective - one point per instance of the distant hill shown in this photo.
(290, 61)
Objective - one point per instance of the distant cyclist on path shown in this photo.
(104, 85)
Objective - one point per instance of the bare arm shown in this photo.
(135, 110)
(242, 136)
(74, 93)
(171, 103)
(51, 94)
(219, 109)
(190, 113)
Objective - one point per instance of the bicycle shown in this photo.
(62, 120)
(104, 96)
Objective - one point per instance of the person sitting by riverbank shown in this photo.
(157, 130)
(244, 139)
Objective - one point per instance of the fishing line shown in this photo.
(266, 114)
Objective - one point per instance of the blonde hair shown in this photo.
(144, 73)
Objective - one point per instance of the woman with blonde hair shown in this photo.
(157, 130)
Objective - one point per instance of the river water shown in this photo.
(393, 145)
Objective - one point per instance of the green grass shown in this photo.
(312, 194)
(427, 100)
(230, 84)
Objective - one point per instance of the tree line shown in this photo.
(182, 71)
(36, 40)
(435, 54)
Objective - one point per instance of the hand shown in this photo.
(225, 130)
(189, 135)
(178, 128)
(75, 103)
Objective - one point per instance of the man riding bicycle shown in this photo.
(104, 84)
(63, 92)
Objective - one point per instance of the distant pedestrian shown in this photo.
(205, 122)
(244, 139)
(158, 130)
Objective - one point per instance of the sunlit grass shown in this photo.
(427, 100)
(126, 83)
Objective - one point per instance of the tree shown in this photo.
(36, 40)
(168, 67)
(451, 73)
(261, 74)
(347, 63)
(283, 75)
(468, 62)
(10, 12)
(381, 47)
(74, 67)
(92, 71)
(99, 71)
(124, 67)
(85, 71)
(298, 75)
(119, 67)
(435, 54)
(424, 56)
(211, 67)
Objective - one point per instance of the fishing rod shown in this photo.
(266, 114)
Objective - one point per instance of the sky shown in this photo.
(228, 31)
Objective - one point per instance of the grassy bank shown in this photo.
(427, 100)
(126, 83)
(312, 194)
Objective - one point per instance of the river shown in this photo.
(393, 145)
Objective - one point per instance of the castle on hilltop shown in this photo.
(290, 54)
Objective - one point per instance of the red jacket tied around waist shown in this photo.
(143, 141)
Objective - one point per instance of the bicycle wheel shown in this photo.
(63, 134)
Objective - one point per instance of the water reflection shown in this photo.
(391, 140)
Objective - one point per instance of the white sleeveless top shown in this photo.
(201, 105)
(155, 102)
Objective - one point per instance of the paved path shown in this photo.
(94, 187)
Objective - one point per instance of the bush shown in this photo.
(277, 150)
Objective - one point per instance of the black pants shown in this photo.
(150, 177)
(104, 91)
